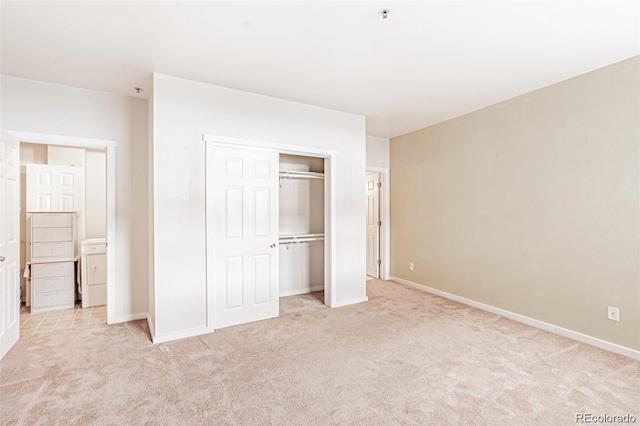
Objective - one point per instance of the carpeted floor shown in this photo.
(404, 357)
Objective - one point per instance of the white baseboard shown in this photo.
(181, 334)
(594, 341)
(129, 317)
(351, 302)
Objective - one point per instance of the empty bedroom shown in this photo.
(322, 213)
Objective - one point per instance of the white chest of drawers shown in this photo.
(52, 237)
(52, 286)
(53, 253)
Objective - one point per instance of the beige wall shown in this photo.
(95, 200)
(530, 205)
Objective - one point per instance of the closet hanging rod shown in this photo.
(298, 175)
(301, 240)
(302, 175)
(288, 237)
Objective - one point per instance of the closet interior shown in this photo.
(63, 226)
(301, 212)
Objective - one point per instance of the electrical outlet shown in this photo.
(613, 313)
(411, 266)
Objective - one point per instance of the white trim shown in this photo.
(268, 146)
(129, 317)
(152, 328)
(385, 238)
(330, 180)
(352, 302)
(593, 341)
(49, 139)
(181, 334)
(209, 235)
(110, 147)
(329, 205)
(111, 234)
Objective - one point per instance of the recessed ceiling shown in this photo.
(428, 62)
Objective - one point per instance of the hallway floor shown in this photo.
(63, 319)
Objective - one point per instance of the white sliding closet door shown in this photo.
(242, 234)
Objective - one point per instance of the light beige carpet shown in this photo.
(404, 357)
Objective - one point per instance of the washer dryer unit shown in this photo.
(93, 272)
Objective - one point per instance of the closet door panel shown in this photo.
(234, 211)
(262, 169)
(262, 280)
(242, 235)
(233, 166)
(234, 283)
(262, 217)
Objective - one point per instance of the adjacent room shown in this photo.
(320, 213)
(63, 227)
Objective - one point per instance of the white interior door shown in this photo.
(55, 188)
(373, 225)
(242, 234)
(9, 244)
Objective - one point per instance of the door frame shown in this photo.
(110, 148)
(329, 157)
(385, 218)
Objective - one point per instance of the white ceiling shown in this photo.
(428, 62)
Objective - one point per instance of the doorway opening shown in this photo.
(374, 225)
(63, 234)
(377, 234)
(95, 226)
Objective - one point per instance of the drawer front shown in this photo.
(51, 220)
(96, 269)
(44, 235)
(47, 270)
(52, 250)
(52, 298)
(44, 285)
(92, 248)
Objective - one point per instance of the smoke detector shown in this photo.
(384, 13)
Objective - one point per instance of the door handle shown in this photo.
(273, 245)
(2, 258)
